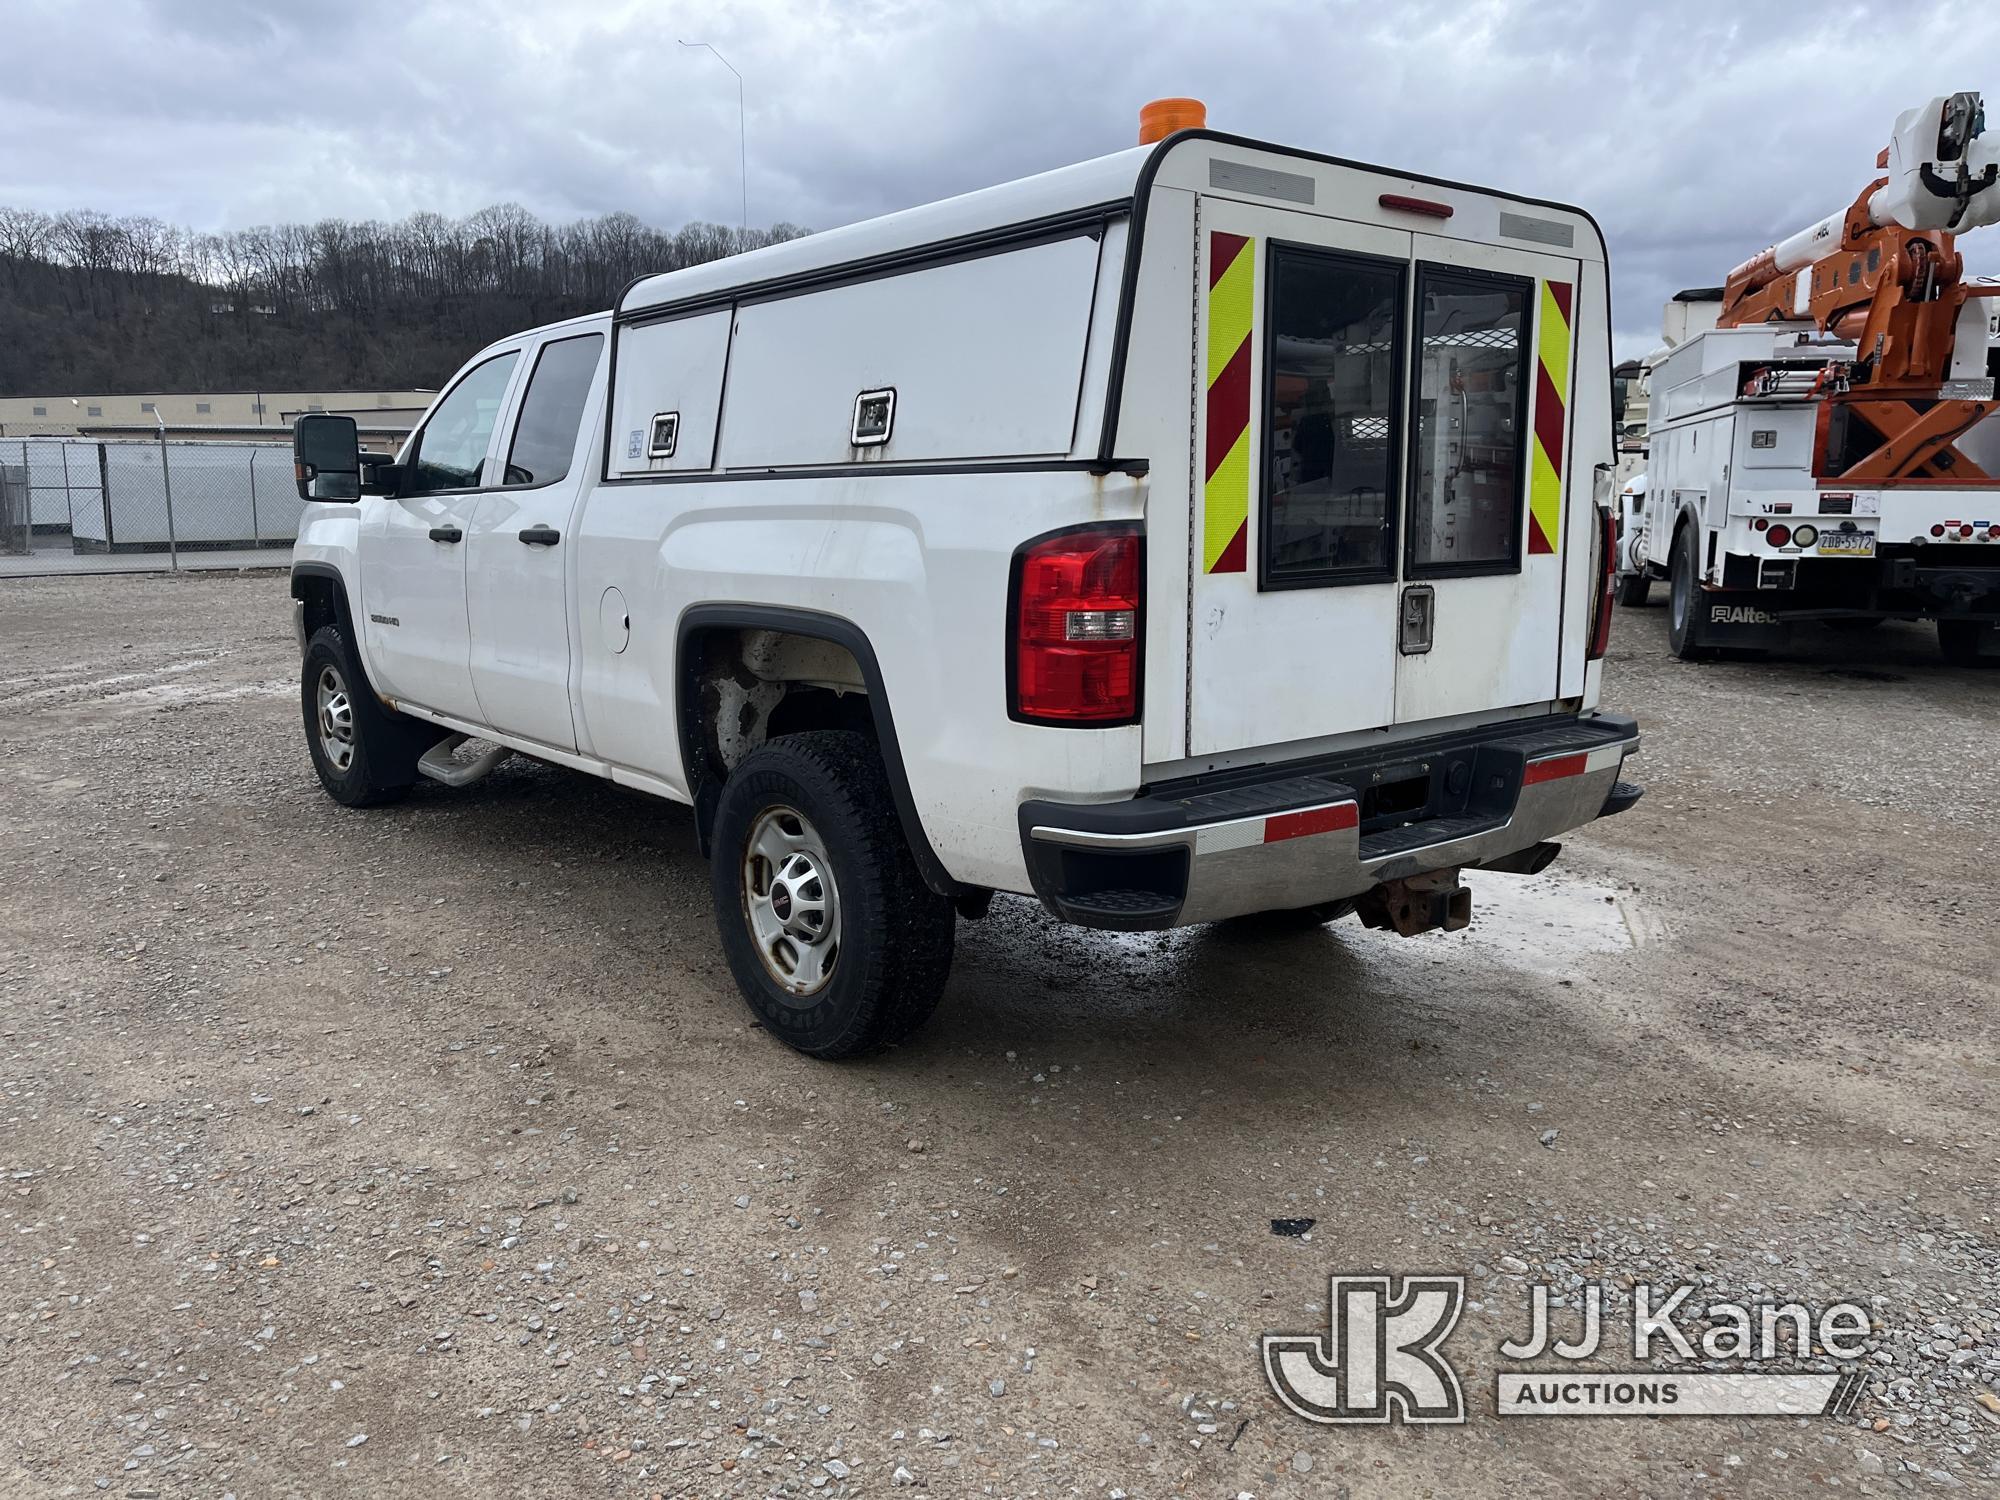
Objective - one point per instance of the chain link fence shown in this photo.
(78, 505)
(16, 529)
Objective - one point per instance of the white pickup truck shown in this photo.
(1201, 531)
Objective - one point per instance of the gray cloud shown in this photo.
(1696, 133)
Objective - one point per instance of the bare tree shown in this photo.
(140, 304)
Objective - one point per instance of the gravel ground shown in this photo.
(430, 1151)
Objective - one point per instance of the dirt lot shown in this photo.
(430, 1151)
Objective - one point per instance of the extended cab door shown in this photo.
(1484, 522)
(1301, 376)
(519, 543)
(412, 548)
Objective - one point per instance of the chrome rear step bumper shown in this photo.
(1310, 832)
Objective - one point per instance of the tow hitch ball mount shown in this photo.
(1418, 903)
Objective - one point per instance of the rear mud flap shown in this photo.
(1738, 621)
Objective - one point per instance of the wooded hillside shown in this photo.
(91, 303)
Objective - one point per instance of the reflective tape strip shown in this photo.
(1225, 494)
(1314, 820)
(1552, 335)
(1248, 833)
(1556, 767)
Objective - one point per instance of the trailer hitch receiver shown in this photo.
(1418, 903)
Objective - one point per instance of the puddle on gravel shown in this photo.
(115, 685)
(169, 694)
(1539, 922)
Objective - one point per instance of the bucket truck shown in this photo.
(1830, 450)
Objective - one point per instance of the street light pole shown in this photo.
(742, 142)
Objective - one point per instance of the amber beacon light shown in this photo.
(1163, 117)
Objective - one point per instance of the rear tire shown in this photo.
(1959, 640)
(1684, 600)
(831, 933)
(1633, 589)
(364, 755)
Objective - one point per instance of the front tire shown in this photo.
(1684, 601)
(364, 755)
(830, 931)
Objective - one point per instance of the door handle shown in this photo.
(541, 536)
(447, 534)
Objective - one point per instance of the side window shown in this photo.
(1467, 480)
(452, 445)
(552, 411)
(1332, 383)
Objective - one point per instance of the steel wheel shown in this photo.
(791, 902)
(336, 718)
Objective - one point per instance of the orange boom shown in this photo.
(1885, 274)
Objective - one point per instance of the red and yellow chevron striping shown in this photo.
(1551, 385)
(1225, 497)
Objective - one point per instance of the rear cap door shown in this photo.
(1293, 555)
(1484, 515)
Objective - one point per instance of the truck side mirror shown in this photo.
(326, 457)
(380, 474)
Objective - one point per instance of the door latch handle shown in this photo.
(541, 536)
(447, 534)
(1418, 619)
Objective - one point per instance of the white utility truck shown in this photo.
(1830, 451)
(1197, 532)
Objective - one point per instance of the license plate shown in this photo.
(1847, 544)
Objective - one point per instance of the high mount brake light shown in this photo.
(1403, 203)
(1075, 627)
(1600, 624)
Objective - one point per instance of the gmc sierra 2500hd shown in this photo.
(1200, 531)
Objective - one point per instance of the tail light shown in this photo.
(1074, 639)
(1600, 625)
(1778, 535)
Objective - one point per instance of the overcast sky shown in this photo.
(1696, 132)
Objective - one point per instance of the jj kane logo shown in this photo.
(1382, 1358)
(1381, 1361)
